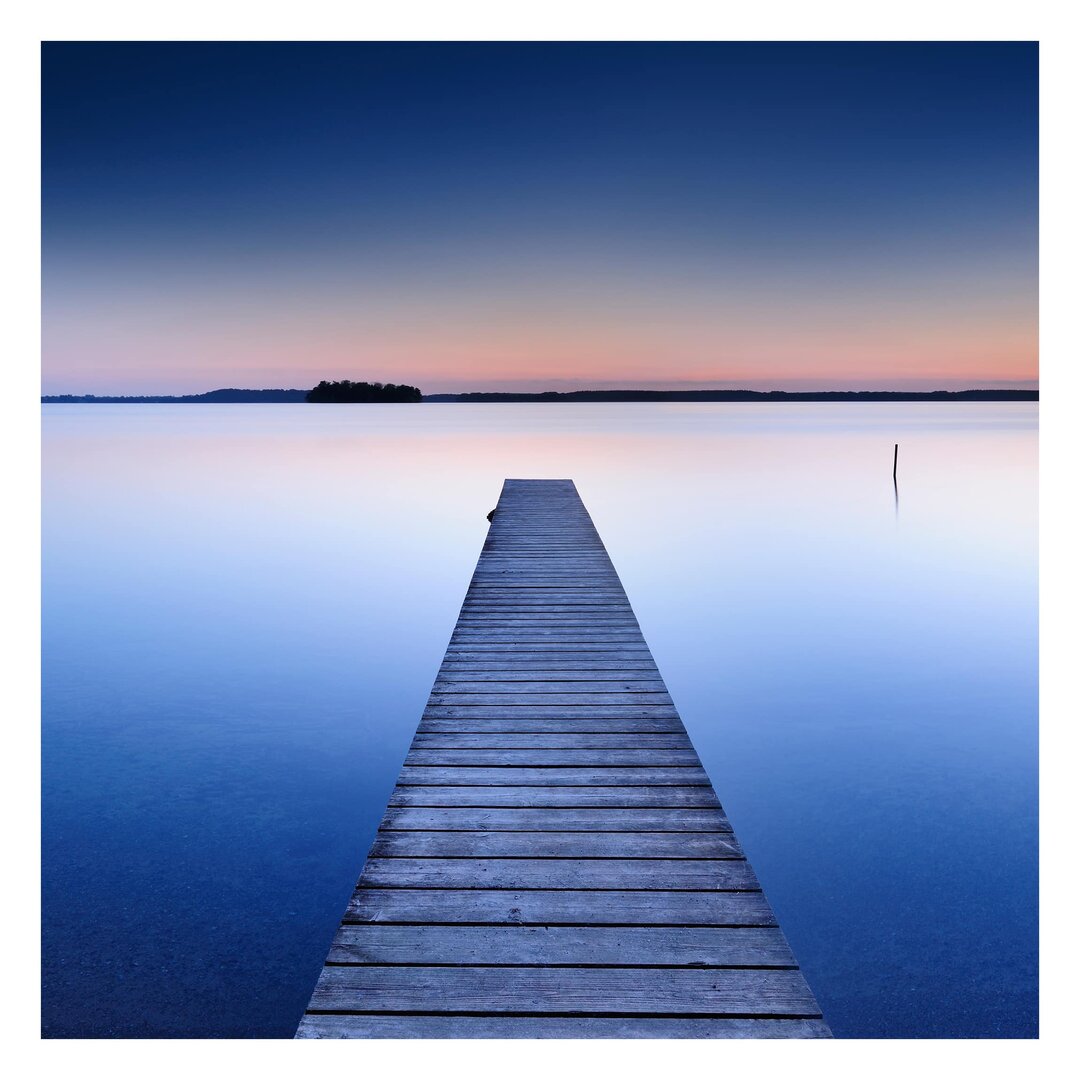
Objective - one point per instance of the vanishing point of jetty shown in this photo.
(554, 862)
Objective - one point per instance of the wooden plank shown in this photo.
(545, 574)
(635, 699)
(568, 667)
(576, 602)
(579, 598)
(586, 597)
(553, 861)
(544, 669)
(541, 724)
(595, 991)
(503, 683)
(523, 776)
(559, 907)
(563, 668)
(608, 590)
(542, 635)
(540, 639)
(548, 616)
(531, 819)
(535, 623)
(516, 625)
(605, 655)
(463, 758)
(580, 712)
(517, 691)
(485, 650)
(592, 571)
(503, 658)
(546, 571)
(562, 946)
(545, 619)
(534, 626)
(428, 1026)
(451, 844)
(541, 579)
(561, 741)
(666, 796)
(491, 873)
(530, 603)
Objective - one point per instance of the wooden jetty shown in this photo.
(554, 862)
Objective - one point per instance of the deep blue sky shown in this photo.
(535, 214)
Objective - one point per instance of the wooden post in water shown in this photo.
(895, 454)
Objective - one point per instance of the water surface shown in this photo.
(245, 606)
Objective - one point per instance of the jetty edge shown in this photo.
(553, 861)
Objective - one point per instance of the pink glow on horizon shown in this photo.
(183, 335)
(148, 359)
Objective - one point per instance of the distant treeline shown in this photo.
(346, 391)
(224, 397)
(325, 391)
(363, 392)
(748, 395)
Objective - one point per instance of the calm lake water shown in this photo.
(245, 606)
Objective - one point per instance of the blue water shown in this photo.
(244, 608)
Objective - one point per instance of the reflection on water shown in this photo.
(244, 608)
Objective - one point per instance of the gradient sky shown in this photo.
(539, 216)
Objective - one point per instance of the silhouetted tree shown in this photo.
(348, 391)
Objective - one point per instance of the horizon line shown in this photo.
(1032, 386)
(566, 386)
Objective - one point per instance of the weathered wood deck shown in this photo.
(554, 862)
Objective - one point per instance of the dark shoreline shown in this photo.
(236, 397)
(745, 395)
